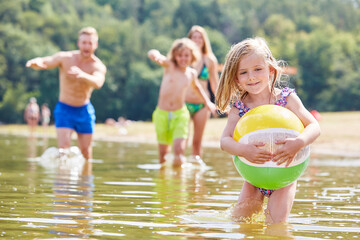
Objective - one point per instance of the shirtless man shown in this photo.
(80, 71)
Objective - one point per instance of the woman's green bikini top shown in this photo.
(204, 74)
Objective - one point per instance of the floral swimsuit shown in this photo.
(285, 92)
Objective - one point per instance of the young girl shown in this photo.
(171, 116)
(248, 80)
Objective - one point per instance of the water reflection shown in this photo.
(45, 198)
(73, 198)
(31, 146)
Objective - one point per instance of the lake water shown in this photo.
(125, 195)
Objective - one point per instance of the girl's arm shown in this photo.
(293, 145)
(251, 152)
(157, 57)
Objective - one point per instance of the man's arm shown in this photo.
(96, 79)
(42, 63)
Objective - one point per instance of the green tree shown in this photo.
(14, 102)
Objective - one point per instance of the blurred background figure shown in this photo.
(122, 123)
(316, 115)
(45, 115)
(207, 68)
(32, 114)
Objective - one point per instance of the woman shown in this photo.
(207, 68)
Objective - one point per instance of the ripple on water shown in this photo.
(130, 195)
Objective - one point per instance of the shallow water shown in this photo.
(125, 195)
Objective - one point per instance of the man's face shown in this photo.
(87, 45)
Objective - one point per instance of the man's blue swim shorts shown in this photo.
(81, 119)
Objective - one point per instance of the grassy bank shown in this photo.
(340, 133)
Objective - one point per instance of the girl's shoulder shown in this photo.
(282, 95)
(210, 60)
(168, 65)
(241, 106)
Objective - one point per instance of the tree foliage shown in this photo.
(321, 38)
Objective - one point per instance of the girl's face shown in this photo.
(254, 74)
(183, 58)
(198, 39)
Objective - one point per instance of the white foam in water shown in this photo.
(69, 159)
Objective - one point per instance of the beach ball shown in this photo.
(268, 124)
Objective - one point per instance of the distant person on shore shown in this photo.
(122, 124)
(171, 117)
(32, 114)
(80, 73)
(207, 68)
(45, 115)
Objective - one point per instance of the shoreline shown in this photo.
(318, 147)
(340, 134)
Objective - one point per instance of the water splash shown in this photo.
(62, 159)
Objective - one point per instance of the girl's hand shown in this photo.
(286, 153)
(257, 155)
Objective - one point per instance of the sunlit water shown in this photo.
(126, 195)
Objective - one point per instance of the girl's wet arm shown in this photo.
(251, 152)
(312, 129)
(227, 142)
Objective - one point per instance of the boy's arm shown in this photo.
(199, 89)
(42, 63)
(157, 57)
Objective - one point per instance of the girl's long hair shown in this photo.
(206, 49)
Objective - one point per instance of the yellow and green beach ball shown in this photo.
(268, 124)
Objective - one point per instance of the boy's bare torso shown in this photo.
(173, 88)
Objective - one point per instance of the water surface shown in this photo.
(125, 195)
